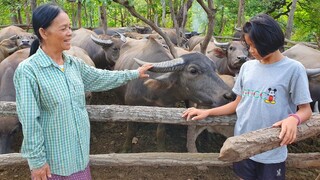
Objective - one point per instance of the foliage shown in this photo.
(306, 19)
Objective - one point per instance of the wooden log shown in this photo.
(302, 160)
(145, 114)
(237, 148)
(309, 44)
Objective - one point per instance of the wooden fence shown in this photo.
(118, 113)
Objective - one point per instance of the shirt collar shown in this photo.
(45, 60)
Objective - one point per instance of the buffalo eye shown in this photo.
(193, 71)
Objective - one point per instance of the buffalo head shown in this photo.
(191, 77)
(231, 54)
(111, 46)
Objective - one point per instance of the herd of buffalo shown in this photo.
(202, 79)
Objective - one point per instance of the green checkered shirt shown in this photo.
(51, 109)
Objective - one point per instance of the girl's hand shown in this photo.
(288, 132)
(196, 114)
(142, 70)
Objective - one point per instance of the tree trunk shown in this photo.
(103, 18)
(175, 23)
(33, 4)
(240, 20)
(181, 20)
(134, 13)
(211, 13)
(86, 15)
(79, 14)
(163, 17)
(19, 16)
(14, 19)
(74, 15)
(290, 20)
(27, 13)
(222, 20)
(246, 145)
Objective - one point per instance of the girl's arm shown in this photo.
(199, 114)
(288, 132)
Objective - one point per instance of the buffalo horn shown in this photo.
(313, 72)
(166, 66)
(221, 45)
(122, 37)
(12, 50)
(238, 28)
(101, 42)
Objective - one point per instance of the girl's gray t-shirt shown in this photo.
(270, 92)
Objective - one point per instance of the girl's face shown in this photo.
(58, 35)
(252, 49)
(254, 52)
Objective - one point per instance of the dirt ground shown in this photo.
(109, 138)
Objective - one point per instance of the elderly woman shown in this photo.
(50, 87)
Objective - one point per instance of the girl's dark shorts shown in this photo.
(251, 170)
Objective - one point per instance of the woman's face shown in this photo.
(58, 35)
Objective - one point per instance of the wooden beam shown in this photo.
(246, 145)
(303, 160)
(309, 44)
(145, 114)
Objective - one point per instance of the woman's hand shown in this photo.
(142, 70)
(41, 173)
(195, 114)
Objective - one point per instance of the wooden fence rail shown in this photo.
(144, 114)
(303, 160)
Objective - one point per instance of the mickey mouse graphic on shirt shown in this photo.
(271, 96)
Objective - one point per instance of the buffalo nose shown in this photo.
(25, 41)
(230, 96)
(242, 58)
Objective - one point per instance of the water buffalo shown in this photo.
(229, 56)
(195, 40)
(103, 49)
(23, 38)
(13, 38)
(172, 35)
(7, 93)
(15, 42)
(114, 31)
(310, 58)
(8, 126)
(191, 77)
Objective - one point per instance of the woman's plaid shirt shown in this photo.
(51, 109)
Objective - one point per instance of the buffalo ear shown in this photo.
(160, 82)
(218, 52)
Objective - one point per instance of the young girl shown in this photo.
(269, 89)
